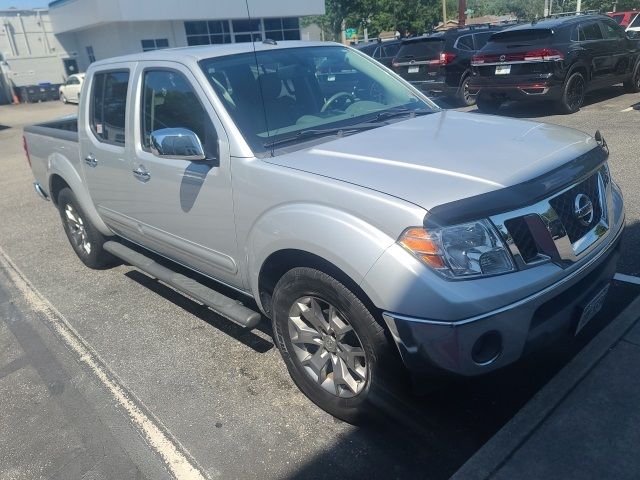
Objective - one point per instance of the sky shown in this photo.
(23, 4)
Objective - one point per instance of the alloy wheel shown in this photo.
(77, 229)
(327, 346)
(575, 93)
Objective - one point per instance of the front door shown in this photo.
(183, 208)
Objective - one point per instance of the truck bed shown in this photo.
(65, 128)
(52, 145)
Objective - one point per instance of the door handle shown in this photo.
(141, 174)
(91, 161)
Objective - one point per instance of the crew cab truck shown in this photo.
(372, 228)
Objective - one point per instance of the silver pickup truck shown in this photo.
(374, 229)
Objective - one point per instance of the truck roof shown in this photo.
(200, 52)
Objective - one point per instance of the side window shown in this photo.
(481, 39)
(591, 31)
(169, 101)
(613, 30)
(465, 43)
(377, 53)
(636, 22)
(108, 106)
(391, 50)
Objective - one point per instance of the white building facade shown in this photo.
(101, 29)
(46, 46)
(30, 53)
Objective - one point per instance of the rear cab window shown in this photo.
(636, 22)
(108, 106)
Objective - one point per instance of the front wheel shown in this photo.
(573, 94)
(331, 344)
(63, 98)
(85, 239)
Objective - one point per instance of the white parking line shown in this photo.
(178, 461)
(627, 109)
(621, 277)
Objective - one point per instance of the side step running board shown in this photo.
(219, 303)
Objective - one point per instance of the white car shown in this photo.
(70, 90)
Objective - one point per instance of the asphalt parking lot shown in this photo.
(155, 383)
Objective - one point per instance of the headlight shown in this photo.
(467, 250)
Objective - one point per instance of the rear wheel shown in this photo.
(463, 95)
(633, 84)
(573, 94)
(488, 104)
(85, 239)
(333, 347)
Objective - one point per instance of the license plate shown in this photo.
(414, 69)
(503, 69)
(592, 308)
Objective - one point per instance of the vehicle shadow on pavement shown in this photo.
(246, 337)
(547, 108)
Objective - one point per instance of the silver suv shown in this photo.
(371, 227)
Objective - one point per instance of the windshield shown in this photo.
(311, 89)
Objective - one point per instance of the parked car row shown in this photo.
(559, 59)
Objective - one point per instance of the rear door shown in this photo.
(183, 208)
(105, 145)
(599, 50)
(419, 59)
(620, 53)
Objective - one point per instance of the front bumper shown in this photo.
(511, 331)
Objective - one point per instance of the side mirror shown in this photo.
(176, 143)
(633, 35)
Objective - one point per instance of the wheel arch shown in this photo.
(281, 261)
(63, 174)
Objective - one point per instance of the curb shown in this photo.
(494, 454)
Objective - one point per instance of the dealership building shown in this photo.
(43, 45)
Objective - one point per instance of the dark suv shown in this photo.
(440, 64)
(382, 51)
(557, 59)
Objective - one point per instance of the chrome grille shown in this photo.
(552, 229)
(564, 205)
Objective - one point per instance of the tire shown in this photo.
(463, 96)
(63, 98)
(353, 329)
(84, 238)
(633, 84)
(488, 105)
(573, 93)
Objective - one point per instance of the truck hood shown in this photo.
(443, 157)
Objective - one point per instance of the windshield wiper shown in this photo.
(319, 132)
(401, 113)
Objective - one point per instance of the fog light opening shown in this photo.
(487, 348)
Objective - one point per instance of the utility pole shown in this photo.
(462, 15)
(444, 14)
(579, 6)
